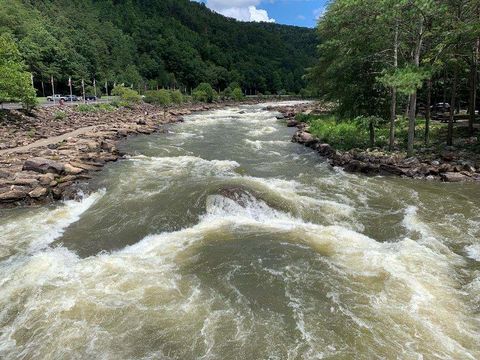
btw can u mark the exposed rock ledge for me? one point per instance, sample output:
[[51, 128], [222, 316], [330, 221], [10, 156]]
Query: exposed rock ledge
[[56, 162]]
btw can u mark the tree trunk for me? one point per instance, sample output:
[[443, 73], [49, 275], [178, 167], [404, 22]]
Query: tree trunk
[[411, 123], [473, 86], [428, 112], [393, 117], [393, 106], [452, 110], [371, 129], [413, 99], [407, 108]]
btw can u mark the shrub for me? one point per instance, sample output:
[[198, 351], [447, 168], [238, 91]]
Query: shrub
[[158, 97], [105, 107], [237, 94], [176, 96], [127, 94], [205, 93], [59, 115], [87, 108], [200, 96]]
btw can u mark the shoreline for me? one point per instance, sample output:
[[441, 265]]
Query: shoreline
[[53, 168], [448, 166]]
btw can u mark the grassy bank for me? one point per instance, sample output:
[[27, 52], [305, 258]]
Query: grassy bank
[[346, 134]]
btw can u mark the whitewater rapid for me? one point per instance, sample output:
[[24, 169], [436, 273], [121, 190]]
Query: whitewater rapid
[[223, 240]]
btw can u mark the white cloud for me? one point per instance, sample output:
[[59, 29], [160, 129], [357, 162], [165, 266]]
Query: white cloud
[[243, 10], [318, 13]]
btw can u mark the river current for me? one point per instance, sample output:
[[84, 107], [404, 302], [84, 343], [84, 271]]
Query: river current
[[223, 240]]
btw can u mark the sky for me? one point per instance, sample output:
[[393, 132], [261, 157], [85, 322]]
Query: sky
[[291, 12]]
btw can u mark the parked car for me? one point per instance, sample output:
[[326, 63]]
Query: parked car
[[90, 98], [71, 98], [56, 97], [441, 107]]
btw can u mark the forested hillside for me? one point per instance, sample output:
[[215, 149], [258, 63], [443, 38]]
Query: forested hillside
[[150, 43]]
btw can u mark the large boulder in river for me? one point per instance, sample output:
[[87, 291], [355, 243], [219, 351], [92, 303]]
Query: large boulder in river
[[43, 166]]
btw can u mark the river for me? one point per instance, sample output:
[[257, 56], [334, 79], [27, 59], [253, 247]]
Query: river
[[223, 240]]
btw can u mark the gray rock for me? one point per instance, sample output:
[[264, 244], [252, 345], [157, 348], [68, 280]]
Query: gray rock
[[454, 177], [38, 192], [292, 123], [43, 166], [13, 195]]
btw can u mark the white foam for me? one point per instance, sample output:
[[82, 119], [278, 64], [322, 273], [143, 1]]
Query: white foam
[[42, 226], [473, 252]]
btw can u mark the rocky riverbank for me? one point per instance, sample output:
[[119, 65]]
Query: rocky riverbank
[[48, 157], [450, 165]]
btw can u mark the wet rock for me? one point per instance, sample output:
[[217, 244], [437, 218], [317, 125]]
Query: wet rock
[[57, 193], [25, 182], [85, 166], [468, 167], [46, 179], [391, 169], [447, 155], [43, 166], [355, 166], [303, 137], [4, 174], [13, 195], [68, 178], [292, 123], [38, 192], [72, 170], [454, 177], [324, 149]]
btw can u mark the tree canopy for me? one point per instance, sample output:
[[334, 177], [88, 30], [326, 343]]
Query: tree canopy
[[15, 82], [170, 43], [375, 54]]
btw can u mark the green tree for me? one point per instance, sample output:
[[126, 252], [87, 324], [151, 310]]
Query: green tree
[[161, 98], [15, 82], [237, 94], [204, 93], [176, 96], [127, 95]]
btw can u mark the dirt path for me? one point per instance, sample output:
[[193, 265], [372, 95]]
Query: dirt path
[[48, 141]]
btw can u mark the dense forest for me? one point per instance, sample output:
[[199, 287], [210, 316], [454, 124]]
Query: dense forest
[[381, 59], [154, 43]]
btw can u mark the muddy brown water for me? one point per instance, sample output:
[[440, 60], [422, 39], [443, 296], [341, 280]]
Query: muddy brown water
[[224, 240]]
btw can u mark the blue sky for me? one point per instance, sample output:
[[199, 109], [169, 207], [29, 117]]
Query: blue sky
[[292, 12]]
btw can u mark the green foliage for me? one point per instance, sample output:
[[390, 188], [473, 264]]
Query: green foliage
[[127, 95], [93, 108], [59, 115], [15, 82], [105, 107], [406, 80], [204, 93], [158, 97], [176, 96], [237, 94], [87, 108], [343, 135], [168, 43]]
